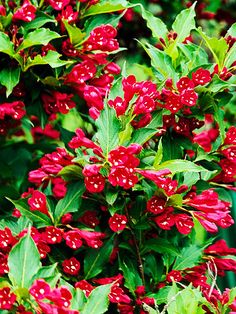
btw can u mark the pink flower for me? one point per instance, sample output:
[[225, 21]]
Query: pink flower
[[81, 73], [117, 222], [92, 238], [25, 13], [40, 289], [59, 4], [38, 202], [71, 266]]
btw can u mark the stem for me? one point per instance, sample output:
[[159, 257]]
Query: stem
[[140, 263]]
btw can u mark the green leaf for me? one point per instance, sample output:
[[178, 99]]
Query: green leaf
[[10, 78], [52, 58], [46, 272], [97, 301], [218, 47], [71, 172], [156, 25], [131, 275], [232, 30], [41, 36], [184, 23], [23, 262], [196, 55], [161, 62], [6, 45], [40, 20], [76, 35], [96, 259], [160, 245], [108, 127], [230, 56], [78, 300], [159, 155], [39, 219], [105, 7], [71, 202], [142, 135], [179, 165], [188, 258]]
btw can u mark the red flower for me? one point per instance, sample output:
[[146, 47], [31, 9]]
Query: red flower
[[25, 13], [85, 286], [184, 83], [166, 220], [59, 4], [122, 176], [230, 137], [40, 289], [92, 238], [117, 222], [221, 248], [7, 299], [13, 109], [52, 235], [174, 275], [90, 218], [81, 73], [60, 296], [38, 202], [6, 238], [184, 223], [4, 269], [117, 295], [57, 102], [156, 205], [230, 153], [95, 183], [73, 239], [71, 266], [188, 97], [119, 105], [144, 104], [201, 77], [93, 97]]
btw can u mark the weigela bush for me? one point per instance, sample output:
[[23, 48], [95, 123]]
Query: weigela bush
[[114, 179]]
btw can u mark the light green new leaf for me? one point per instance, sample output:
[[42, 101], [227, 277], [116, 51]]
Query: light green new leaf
[[156, 25], [161, 62], [232, 31], [97, 301], [52, 58], [6, 46], [218, 47], [46, 272], [41, 36], [78, 301], [106, 7], [184, 23], [141, 136], [230, 56], [39, 219], [108, 127], [71, 202], [10, 78], [179, 165], [24, 262], [76, 35], [189, 257]]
